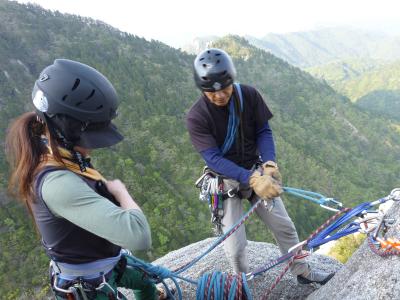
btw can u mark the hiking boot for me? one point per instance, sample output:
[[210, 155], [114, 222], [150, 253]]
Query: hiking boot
[[320, 277]]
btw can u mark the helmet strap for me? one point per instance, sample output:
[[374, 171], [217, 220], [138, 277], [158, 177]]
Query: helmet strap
[[80, 160], [76, 156]]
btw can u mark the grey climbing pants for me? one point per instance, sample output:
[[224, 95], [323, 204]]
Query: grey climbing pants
[[276, 219]]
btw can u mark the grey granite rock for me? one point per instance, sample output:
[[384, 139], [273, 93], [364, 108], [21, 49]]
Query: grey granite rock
[[259, 254]]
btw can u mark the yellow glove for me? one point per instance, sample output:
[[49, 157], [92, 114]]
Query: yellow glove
[[265, 186], [271, 168]]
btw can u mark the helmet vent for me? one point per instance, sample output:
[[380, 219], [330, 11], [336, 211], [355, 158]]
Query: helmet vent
[[204, 78], [201, 59], [79, 103], [217, 54], [91, 95], [224, 73], [218, 61], [99, 107], [64, 97], [77, 81]]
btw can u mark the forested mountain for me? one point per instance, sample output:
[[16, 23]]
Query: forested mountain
[[336, 73], [372, 85], [357, 78], [324, 143], [385, 103]]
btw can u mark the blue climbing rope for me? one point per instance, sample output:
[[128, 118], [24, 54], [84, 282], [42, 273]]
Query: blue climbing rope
[[233, 122], [215, 283], [222, 238]]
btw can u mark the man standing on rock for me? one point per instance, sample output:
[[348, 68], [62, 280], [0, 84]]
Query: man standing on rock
[[228, 126]]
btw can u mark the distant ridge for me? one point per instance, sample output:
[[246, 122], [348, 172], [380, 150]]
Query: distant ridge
[[317, 47]]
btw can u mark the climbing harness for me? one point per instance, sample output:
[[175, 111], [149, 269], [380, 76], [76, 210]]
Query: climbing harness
[[80, 289], [70, 281]]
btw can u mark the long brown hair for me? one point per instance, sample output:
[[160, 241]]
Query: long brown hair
[[25, 150]]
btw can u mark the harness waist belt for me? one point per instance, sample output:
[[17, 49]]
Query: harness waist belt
[[87, 270]]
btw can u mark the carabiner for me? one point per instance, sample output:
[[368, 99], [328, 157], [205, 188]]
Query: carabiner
[[329, 202], [301, 244]]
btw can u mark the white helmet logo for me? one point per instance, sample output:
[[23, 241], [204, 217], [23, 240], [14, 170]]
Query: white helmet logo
[[43, 77], [40, 101], [217, 86]]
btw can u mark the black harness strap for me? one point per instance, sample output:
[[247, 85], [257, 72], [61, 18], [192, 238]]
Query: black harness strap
[[120, 268]]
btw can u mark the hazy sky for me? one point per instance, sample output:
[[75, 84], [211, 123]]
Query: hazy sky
[[177, 21]]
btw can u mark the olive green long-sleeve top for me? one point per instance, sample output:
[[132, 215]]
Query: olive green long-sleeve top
[[68, 196]]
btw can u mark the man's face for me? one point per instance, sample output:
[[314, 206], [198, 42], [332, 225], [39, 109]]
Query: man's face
[[221, 97]]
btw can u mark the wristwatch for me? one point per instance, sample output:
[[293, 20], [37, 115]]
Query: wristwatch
[[271, 164]]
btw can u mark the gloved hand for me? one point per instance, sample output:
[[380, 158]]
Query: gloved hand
[[271, 168], [265, 186]]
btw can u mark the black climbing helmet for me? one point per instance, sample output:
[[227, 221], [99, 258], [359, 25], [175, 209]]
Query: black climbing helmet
[[213, 70], [78, 102]]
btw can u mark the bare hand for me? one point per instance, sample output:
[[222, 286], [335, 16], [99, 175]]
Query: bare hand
[[116, 187], [121, 194]]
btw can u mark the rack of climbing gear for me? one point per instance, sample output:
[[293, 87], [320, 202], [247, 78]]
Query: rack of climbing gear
[[212, 191]]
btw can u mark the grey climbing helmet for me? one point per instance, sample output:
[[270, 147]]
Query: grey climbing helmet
[[78, 102], [213, 70]]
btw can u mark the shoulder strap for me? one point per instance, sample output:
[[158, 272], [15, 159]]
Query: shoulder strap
[[239, 91], [39, 179]]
